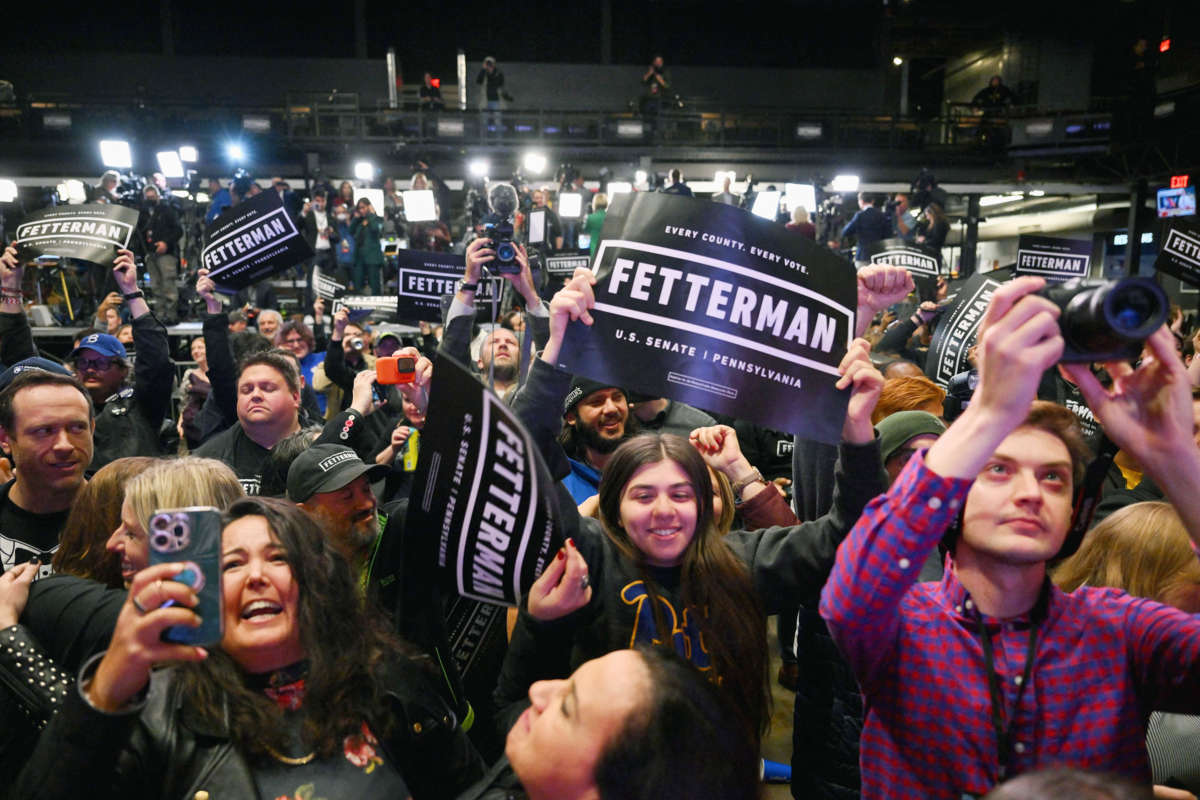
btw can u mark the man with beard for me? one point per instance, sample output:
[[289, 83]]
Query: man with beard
[[333, 485], [596, 420], [502, 347], [499, 360]]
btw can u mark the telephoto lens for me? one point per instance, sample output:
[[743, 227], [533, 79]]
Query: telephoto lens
[[357, 343], [1107, 320]]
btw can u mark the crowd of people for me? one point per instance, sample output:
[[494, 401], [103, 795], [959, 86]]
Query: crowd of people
[[940, 634]]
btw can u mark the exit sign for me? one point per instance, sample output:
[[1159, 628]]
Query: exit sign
[[1179, 181]]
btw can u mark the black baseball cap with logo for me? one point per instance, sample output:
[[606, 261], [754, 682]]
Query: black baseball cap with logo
[[327, 468]]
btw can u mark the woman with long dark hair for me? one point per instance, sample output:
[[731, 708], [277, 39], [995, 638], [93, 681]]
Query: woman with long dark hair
[[656, 569], [305, 688]]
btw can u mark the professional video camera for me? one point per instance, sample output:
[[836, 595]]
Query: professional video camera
[[567, 173], [498, 228], [1107, 320], [924, 190], [128, 191]]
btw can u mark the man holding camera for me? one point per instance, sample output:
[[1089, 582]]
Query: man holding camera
[[161, 233], [460, 319], [1036, 676]]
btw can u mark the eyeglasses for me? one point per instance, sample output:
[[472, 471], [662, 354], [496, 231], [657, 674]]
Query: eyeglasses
[[97, 364]]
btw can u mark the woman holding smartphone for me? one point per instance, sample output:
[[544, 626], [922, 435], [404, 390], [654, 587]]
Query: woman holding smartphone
[[304, 688]]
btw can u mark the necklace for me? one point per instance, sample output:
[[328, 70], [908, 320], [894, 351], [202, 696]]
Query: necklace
[[292, 762]]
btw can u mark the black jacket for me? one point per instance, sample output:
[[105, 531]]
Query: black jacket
[[157, 751], [160, 223], [129, 422], [788, 566]]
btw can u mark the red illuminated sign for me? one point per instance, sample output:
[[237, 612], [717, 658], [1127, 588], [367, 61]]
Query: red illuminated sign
[[1164, 45], [1179, 181]]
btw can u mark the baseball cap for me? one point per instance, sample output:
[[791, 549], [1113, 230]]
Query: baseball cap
[[103, 343], [325, 468], [35, 363]]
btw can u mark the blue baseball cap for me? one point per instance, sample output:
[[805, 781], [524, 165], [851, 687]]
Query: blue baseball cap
[[102, 343], [31, 364]]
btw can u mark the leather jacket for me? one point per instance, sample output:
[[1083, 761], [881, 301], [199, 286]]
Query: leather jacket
[[153, 750]]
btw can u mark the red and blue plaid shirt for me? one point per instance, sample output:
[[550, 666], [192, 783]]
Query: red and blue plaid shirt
[[1102, 662]]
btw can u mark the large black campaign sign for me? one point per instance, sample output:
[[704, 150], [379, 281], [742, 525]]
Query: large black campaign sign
[[92, 232], [424, 278], [482, 488], [251, 241], [713, 306], [1053, 259], [1180, 251], [959, 324]]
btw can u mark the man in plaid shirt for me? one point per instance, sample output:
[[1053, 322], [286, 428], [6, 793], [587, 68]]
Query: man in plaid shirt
[[993, 672]]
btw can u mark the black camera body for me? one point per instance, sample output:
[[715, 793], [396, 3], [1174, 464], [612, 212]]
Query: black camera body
[[959, 390], [1106, 320], [499, 232]]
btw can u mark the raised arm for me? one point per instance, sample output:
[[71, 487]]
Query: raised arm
[[222, 372], [153, 371], [882, 557], [16, 337]]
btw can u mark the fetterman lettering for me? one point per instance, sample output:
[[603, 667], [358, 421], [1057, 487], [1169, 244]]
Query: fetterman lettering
[[725, 301], [498, 521], [1067, 263], [243, 242], [898, 258], [94, 227], [1183, 245]]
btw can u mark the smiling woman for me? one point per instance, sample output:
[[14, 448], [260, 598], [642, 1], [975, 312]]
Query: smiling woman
[[305, 687]]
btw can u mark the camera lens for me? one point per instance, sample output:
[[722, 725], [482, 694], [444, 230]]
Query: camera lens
[[506, 252], [1131, 308]]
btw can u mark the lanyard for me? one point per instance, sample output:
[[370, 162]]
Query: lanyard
[[1003, 726]]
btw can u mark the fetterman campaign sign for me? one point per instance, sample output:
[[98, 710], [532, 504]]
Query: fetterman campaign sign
[[481, 488], [959, 324], [923, 263], [1053, 259], [713, 306], [424, 278], [92, 232], [1180, 253], [252, 241]]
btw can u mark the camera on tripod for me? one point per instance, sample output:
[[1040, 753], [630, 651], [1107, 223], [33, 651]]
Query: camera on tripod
[[1106, 320], [498, 228]]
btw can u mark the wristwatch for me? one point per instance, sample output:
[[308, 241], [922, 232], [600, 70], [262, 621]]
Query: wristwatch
[[753, 476], [133, 295], [463, 286]]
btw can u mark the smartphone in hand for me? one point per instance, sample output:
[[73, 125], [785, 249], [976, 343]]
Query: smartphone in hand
[[192, 536]]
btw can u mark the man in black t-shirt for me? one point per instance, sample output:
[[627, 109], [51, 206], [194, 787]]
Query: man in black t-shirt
[[46, 424], [268, 409]]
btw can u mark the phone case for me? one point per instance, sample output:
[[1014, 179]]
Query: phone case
[[192, 536]]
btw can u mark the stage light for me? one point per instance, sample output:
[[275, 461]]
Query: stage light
[[845, 183], [619, 187], [364, 170], [570, 205], [116, 153], [419, 205], [897, 60], [236, 152], [479, 167], [801, 194], [535, 163], [169, 164], [766, 205], [188, 154], [76, 193], [630, 129], [8, 191]]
